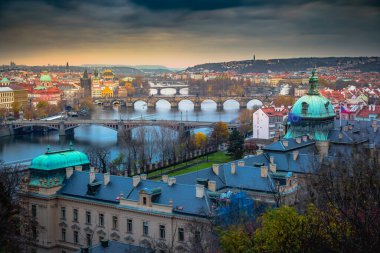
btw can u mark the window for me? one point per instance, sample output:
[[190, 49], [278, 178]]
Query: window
[[197, 236], [145, 228], [63, 212], [34, 211], [63, 234], [88, 217], [76, 237], [88, 238], [75, 215], [305, 107], [162, 231], [129, 226], [101, 238], [101, 219], [34, 232], [144, 201], [181, 234], [114, 222]]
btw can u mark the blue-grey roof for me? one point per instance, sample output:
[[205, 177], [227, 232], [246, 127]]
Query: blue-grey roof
[[247, 177], [118, 247], [76, 186], [292, 144], [183, 196]]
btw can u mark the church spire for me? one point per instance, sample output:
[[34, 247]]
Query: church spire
[[313, 82]]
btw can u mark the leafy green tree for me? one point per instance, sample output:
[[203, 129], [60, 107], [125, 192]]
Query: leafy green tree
[[236, 240], [235, 142]]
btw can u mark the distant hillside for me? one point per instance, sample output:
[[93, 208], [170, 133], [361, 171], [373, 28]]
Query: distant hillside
[[292, 64]]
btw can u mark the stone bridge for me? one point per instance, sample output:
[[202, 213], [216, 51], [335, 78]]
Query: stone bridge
[[177, 88], [174, 101], [123, 127]]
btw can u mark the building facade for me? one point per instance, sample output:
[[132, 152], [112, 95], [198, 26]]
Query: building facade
[[268, 122], [13, 94]]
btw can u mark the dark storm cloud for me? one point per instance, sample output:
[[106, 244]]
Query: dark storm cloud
[[195, 25]]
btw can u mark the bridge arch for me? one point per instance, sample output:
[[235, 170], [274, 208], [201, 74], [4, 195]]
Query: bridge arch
[[231, 103], [140, 103], [208, 104], [254, 103], [163, 103], [186, 104], [53, 126]]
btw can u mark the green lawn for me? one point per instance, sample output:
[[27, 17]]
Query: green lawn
[[217, 157]]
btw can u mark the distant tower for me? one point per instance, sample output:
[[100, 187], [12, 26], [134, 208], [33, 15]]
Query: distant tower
[[67, 67], [254, 57], [85, 83]]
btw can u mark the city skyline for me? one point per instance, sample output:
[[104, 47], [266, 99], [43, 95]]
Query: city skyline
[[181, 33]]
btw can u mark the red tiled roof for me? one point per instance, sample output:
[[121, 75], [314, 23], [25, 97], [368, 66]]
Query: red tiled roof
[[271, 112], [365, 112]]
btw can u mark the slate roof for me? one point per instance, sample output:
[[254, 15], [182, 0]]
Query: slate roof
[[183, 196], [292, 144], [246, 177]]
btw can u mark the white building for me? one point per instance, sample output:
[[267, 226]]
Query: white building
[[267, 122]]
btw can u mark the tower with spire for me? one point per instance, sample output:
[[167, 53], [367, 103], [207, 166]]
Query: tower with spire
[[85, 83]]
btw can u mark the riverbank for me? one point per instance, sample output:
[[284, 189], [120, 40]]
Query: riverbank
[[192, 165]]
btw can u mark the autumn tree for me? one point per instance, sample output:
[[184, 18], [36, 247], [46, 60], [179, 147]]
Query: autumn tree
[[349, 188], [200, 140], [220, 133], [86, 104], [284, 100]]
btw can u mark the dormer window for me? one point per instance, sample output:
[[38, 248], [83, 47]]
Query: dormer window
[[144, 201], [305, 107], [327, 105]]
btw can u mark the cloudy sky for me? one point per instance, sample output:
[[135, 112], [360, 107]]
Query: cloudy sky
[[181, 33]]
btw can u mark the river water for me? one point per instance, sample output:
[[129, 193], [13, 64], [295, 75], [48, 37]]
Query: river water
[[28, 146]]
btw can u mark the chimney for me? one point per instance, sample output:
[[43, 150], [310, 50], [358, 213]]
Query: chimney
[[233, 168], [106, 178], [298, 140], [199, 190], [171, 181], [165, 178], [143, 176], [136, 180], [259, 152], [78, 168], [215, 169], [92, 175], [69, 172], [273, 167], [304, 138], [212, 186], [295, 154], [241, 163], [271, 159], [264, 171], [285, 143]]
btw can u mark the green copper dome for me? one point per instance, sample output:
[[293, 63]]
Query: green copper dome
[[45, 78], [5, 80], [311, 115], [53, 160], [313, 104]]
